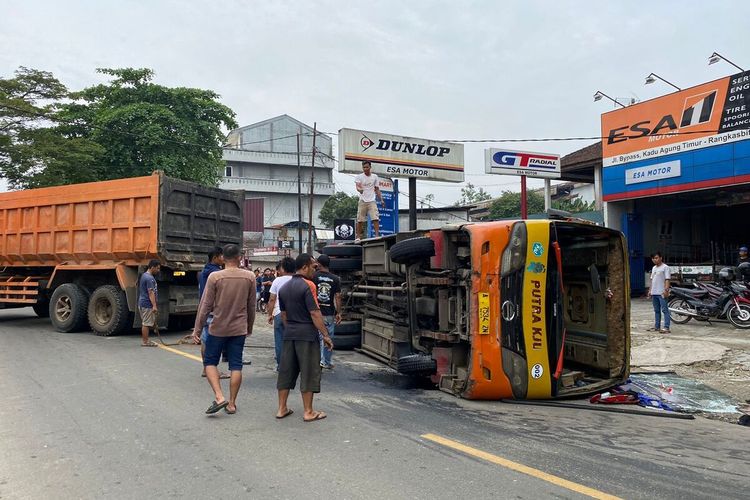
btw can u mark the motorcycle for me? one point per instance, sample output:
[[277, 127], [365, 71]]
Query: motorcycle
[[707, 303]]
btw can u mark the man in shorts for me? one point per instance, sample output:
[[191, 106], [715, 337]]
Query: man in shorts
[[148, 302], [215, 263], [329, 300], [229, 297], [303, 324], [368, 187], [285, 269]]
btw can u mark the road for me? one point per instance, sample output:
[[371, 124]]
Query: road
[[91, 417]]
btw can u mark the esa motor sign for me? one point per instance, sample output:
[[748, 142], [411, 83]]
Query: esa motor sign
[[400, 156], [696, 138], [507, 162]]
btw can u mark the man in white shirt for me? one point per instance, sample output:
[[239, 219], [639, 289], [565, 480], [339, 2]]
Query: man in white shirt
[[368, 187], [284, 271], [659, 291]]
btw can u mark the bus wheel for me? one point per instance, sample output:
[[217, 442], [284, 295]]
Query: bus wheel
[[108, 311], [67, 308], [412, 250]]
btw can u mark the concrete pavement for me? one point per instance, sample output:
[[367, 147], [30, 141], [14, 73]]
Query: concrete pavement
[[85, 416]]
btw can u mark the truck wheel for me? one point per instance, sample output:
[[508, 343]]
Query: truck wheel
[[346, 264], [346, 341], [108, 311], [417, 364], [67, 308], [343, 250], [41, 308], [412, 250]]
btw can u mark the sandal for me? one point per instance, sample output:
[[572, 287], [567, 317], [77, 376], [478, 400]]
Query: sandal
[[288, 412], [150, 343], [652, 329], [664, 330], [215, 407], [319, 415]]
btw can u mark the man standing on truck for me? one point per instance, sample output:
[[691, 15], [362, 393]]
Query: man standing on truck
[[148, 301], [229, 297], [368, 186], [285, 270], [659, 291], [300, 355], [329, 300], [215, 262]]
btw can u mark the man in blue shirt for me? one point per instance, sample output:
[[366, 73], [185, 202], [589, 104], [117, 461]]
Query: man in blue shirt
[[215, 263], [148, 301]]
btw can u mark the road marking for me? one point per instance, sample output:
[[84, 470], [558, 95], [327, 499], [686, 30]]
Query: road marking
[[181, 353], [523, 469]]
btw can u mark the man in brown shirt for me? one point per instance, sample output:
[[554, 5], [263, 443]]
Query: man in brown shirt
[[230, 297]]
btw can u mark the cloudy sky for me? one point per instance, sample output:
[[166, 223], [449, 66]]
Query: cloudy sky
[[450, 70]]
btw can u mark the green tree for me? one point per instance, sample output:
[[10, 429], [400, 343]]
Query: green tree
[[575, 205], [508, 205], [34, 150], [338, 206], [143, 126], [471, 194]]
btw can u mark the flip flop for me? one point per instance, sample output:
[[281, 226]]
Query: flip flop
[[230, 412], [288, 412], [151, 343], [215, 407], [224, 376], [319, 415]]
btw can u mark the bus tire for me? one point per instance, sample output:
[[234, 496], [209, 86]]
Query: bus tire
[[417, 364], [345, 264], [343, 250], [412, 250], [68, 307], [108, 312]]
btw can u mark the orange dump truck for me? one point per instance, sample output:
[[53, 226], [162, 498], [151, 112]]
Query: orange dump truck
[[75, 253]]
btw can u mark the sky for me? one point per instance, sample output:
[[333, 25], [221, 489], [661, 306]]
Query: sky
[[443, 70]]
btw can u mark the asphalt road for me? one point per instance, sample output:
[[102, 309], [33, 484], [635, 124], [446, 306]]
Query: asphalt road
[[90, 417]]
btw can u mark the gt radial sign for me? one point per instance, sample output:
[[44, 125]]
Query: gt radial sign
[[399, 156], [507, 162]]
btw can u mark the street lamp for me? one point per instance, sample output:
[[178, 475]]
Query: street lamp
[[598, 97], [653, 77], [716, 57]]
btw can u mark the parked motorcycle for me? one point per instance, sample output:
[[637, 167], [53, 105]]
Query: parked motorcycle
[[706, 304]]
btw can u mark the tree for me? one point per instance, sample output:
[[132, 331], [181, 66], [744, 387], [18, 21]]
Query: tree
[[470, 195], [143, 126], [508, 205], [125, 128], [574, 205], [34, 150], [338, 206]]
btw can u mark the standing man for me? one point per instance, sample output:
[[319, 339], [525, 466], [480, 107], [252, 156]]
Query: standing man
[[258, 287], [368, 186], [659, 291], [229, 297], [301, 352], [285, 270], [215, 262], [148, 303], [329, 300]]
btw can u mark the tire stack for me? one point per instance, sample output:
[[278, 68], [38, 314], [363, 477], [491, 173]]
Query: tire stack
[[345, 261]]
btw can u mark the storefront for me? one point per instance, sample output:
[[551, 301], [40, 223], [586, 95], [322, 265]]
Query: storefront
[[676, 175]]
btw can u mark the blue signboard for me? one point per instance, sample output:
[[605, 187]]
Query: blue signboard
[[389, 213]]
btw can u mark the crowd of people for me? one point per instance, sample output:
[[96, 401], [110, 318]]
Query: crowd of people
[[303, 303]]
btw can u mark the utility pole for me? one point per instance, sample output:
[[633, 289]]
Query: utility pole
[[312, 183], [299, 196]]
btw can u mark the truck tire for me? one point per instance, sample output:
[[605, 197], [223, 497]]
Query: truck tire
[[68, 307], [349, 327], [41, 308], [108, 311], [417, 364], [343, 250], [346, 264], [412, 250], [347, 341]]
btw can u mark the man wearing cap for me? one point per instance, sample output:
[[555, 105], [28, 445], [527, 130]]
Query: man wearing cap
[[743, 256], [367, 185]]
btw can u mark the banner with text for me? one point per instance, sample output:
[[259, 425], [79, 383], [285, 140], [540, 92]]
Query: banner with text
[[399, 156], [507, 162]]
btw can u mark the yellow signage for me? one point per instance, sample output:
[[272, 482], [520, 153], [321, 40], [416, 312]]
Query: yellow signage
[[534, 309], [484, 313]]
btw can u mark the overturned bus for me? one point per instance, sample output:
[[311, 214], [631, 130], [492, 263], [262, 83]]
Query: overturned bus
[[531, 309]]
